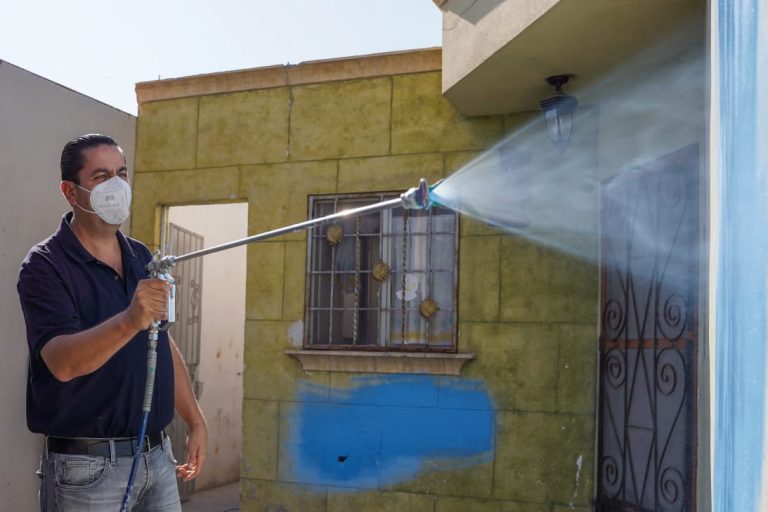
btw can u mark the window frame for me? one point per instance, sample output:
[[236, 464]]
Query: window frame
[[315, 235]]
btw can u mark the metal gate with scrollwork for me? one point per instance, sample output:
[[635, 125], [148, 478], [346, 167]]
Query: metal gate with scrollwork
[[648, 339]]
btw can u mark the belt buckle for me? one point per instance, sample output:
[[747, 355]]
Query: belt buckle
[[146, 443]]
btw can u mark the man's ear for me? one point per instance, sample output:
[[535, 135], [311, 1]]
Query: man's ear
[[69, 190]]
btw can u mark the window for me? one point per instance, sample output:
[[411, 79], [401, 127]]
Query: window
[[382, 281]]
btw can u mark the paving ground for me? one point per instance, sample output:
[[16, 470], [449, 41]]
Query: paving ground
[[219, 499]]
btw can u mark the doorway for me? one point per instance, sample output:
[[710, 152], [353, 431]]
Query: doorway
[[209, 329], [649, 330]]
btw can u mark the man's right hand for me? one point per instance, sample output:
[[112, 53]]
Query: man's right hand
[[149, 303], [72, 355]]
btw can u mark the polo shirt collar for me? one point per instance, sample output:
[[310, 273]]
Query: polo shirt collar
[[125, 247], [75, 249]]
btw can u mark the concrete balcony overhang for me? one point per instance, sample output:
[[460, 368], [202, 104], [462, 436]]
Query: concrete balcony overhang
[[498, 53]]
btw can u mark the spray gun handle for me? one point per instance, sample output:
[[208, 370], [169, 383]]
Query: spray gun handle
[[160, 268], [165, 276]]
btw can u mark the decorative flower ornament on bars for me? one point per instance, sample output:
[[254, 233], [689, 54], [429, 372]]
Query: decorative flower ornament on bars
[[334, 234], [381, 272], [428, 308]]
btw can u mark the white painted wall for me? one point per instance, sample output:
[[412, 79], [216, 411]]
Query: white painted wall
[[37, 117], [222, 334]]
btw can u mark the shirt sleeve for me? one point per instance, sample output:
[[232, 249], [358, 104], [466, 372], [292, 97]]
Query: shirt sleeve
[[49, 309]]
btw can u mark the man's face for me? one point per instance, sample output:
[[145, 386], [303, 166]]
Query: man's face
[[100, 163]]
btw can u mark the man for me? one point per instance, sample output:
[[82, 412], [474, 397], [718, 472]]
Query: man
[[87, 304]]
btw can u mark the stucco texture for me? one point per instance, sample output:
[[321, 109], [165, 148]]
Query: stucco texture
[[513, 433]]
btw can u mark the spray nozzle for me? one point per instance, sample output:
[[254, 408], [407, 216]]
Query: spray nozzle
[[434, 186], [417, 198]]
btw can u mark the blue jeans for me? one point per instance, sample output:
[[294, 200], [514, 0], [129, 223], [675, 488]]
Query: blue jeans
[[80, 483]]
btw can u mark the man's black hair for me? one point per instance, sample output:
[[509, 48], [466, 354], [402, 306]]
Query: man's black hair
[[72, 159]]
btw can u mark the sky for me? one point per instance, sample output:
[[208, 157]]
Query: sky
[[102, 49]]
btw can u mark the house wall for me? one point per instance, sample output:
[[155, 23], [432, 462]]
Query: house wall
[[515, 431], [37, 117]]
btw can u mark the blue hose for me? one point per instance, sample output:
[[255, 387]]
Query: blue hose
[[135, 466], [148, 391]]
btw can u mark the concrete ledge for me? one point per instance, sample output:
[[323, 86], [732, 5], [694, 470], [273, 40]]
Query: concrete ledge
[[499, 53], [312, 72], [380, 362]]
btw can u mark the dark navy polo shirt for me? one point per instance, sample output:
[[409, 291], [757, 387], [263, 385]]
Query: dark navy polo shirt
[[65, 290]]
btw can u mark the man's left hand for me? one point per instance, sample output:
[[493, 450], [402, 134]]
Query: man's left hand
[[197, 444]]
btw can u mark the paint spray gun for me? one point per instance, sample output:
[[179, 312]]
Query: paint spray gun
[[154, 330]]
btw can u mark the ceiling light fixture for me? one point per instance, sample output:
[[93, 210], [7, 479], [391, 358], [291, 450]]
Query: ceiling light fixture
[[558, 112]]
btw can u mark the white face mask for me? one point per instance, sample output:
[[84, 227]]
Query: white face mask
[[110, 200]]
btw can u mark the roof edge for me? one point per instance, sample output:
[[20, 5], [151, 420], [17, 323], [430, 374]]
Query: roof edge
[[62, 86], [310, 72]]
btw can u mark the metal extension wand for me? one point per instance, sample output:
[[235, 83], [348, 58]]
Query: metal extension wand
[[416, 198]]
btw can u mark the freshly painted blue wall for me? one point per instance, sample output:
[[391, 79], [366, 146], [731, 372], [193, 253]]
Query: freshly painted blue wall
[[381, 431], [740, 426]]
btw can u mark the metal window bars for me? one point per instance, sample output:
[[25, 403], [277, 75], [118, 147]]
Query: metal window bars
[[347, 308]]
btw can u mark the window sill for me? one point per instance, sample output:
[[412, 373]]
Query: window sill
[[380, 362]]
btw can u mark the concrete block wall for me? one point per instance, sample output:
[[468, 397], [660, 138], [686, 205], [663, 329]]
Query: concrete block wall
[[514, 432]]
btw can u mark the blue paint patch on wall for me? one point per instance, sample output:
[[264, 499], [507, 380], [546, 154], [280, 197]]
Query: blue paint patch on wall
[[381, 431]]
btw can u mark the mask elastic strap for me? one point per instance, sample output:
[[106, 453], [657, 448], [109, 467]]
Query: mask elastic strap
[[81, 188], [89, 211], [78, 204]]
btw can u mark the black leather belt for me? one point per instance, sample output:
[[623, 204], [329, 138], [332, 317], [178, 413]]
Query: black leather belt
[[99, 447]]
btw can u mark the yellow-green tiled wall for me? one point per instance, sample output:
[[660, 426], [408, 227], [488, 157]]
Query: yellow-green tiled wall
[[527, 313]]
